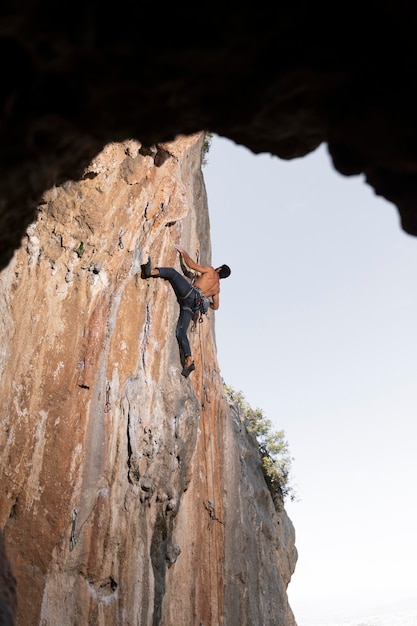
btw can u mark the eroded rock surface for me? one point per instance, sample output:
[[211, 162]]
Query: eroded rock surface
[[130, 495]]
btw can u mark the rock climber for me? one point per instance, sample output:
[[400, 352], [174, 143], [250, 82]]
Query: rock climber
[[192, 298]]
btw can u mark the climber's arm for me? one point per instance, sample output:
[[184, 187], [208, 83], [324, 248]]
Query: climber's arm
[[215, 302], [190, 263]]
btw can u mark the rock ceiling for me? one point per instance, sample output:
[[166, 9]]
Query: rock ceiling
[[281, 80]]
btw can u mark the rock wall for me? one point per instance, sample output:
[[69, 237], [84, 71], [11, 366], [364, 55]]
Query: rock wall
[[130, 495]]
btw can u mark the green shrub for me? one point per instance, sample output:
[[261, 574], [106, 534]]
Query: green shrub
[[273, 447], [208, 136]]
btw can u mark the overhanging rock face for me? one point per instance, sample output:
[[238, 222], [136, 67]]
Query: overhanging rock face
[[280, 79], [130, 495]]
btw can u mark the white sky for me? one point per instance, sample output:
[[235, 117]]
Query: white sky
[[318, 328]]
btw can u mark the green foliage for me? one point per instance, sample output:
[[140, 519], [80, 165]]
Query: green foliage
[[273, 447], [80, 249], [208, 136]]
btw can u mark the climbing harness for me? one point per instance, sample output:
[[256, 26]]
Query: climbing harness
[[201, 303]]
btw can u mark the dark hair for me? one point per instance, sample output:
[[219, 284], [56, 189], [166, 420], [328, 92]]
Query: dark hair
[[225, 271]]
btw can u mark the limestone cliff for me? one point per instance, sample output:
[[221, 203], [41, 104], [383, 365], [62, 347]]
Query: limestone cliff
[[130, 495]]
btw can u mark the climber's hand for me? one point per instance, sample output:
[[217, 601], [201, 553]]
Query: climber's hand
[[179, 248]]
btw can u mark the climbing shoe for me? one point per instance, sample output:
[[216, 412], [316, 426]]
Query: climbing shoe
[[146, 269], [187, 370]]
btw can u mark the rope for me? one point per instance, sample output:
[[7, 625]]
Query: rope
[[210, 505]]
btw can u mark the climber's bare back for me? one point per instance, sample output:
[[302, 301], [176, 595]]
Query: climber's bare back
[[209, 283]]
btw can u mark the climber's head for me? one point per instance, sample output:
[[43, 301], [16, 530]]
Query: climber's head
[[224, 271]]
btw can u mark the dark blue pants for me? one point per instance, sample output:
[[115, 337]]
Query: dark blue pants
[[181, 287]]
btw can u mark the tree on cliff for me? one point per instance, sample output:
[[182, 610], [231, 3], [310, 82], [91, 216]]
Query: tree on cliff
[[273, 447]]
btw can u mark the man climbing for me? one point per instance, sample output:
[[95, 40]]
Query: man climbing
[[192, 298]]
